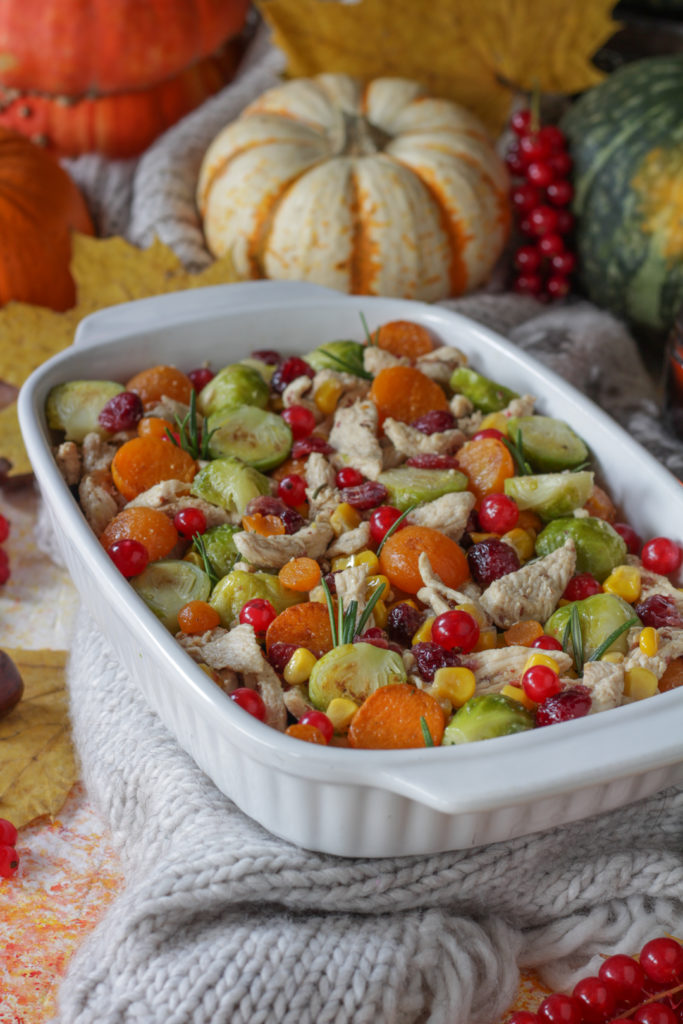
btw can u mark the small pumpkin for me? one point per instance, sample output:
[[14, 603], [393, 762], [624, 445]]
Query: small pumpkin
[[40, 206], [369, 189], [626, 140]]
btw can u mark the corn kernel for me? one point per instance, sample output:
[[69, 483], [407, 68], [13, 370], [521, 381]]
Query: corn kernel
[[640, 683], [616, 657], [488, 637], [344, 518], [475, 611], [424, 634], [340, 712], [518, 694], [522, 541], [456, 684], [495, 421], [624, 582], [367, 557], [541, 659], [373, 582], [327, 396], [380, 613], [648, 641], [299, 666]]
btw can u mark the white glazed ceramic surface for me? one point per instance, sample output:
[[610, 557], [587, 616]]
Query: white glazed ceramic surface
[[342, 801]]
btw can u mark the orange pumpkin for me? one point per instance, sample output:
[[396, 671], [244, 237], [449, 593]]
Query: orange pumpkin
[[39, 208]]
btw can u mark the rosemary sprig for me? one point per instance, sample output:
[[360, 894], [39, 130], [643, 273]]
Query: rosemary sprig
[[577, 638], [348, 367], [429, 742], [367, 611], [200, 546], [394, 527], [191, 439], [372, 341], [350, 615], [517, 453], [581, 466], [344, 627], [330, 612], [614, 635]]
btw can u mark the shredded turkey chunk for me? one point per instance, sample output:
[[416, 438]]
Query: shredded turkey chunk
[[273, 552], [533, 591]]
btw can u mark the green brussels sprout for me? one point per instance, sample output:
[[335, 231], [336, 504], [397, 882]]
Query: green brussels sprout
[[484, 394], [259, 438], [238, 587], [409, 485], [343, 356], [229, 484], [266, 370], [599, 615], [355, 671], [599, 548], [220, 549], [233, 385], [75, 406], [167, 585], [551, 495], [548, 444], [486, 716]]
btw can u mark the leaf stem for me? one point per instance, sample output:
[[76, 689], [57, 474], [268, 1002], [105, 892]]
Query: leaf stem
[[394, 527]]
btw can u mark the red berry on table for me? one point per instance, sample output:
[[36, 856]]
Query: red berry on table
[[525, 227], [624, 975], [550, 245], [4, 566], [498, 513], [9, 861], [629, 536], [596, 1000], [547, 643], [534, 147], [525, 197], [129, 556], [527, 258], [564, 222], [455, 630], [661, 555], [292, 490], [520, 122], [251, 701], [381, 520], [543, 220], [528, 284], [662, 961], [122, 412], [553, 137], [300, 421], [564, 706], [200, 377], [4, 529], [557, 286], [514, 162], [189, 521], [8, 833], [559, 1009], [560, 193], [348, 477], [540, 682], [581, 586], [561, 163], [563, 263], [257, 613], [655, 1013], [541, 173], [320, 721]]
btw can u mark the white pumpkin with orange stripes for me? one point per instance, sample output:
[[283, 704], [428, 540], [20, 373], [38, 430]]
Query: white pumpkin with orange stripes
[[370, 189]]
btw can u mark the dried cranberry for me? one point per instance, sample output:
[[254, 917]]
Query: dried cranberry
[[432, 461], [200, 377], [659, 610], [366, 495], [434, 422], [331, 582], [572, 703], [304, 447], [267, 355], [289, 371], [375, 636], [403, 621], [490, 559], [122, 412], [292, 520], [430, 657], [265, 505], [279, 654], [629, 536]]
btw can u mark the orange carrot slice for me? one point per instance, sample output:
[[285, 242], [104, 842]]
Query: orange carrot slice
[[392, 718]]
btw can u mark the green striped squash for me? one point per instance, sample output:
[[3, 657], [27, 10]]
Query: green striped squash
[[626, 139]]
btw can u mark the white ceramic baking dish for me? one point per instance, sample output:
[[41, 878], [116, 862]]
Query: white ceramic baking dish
[[341, 801]]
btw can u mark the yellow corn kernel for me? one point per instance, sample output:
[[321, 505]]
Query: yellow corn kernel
[[488, 637], [373, 582], [340, 712], [475, 611], [380, 613], [640, 683], [616, 657], [424, 634], [541, 659], [476, 537], [518, 694], [523, 542], [495, 421], [624, 581], [299, 666], [327, 396], [368, 558], [456, 684], [648, 641], [344, 518]]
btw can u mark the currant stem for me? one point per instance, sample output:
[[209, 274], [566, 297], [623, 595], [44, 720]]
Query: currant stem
[[653, 999]]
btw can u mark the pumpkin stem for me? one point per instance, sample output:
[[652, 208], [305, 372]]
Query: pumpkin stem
[[361, 137]]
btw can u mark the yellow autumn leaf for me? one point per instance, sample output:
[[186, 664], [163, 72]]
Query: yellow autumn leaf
[[107, 272], [476, 53], [37, 760]]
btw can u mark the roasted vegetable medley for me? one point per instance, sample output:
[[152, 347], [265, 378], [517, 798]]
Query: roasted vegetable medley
[[373, 545]]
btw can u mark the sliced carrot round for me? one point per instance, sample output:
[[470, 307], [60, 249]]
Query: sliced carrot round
[[300, 574], [149, 526], [404, 338], [396, 717], [400, 555], [305, 625], [197, 617], [145, 461], [152, 384], [487, 464], [155, 426], [405, 393]]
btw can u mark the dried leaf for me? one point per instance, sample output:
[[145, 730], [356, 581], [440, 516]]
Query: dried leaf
[[37, 760], [477, 54], [107, 272]]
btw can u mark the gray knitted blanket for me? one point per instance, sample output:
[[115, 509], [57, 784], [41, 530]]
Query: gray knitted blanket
[[220, 922]]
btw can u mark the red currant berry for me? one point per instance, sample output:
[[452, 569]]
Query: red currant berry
[[200, 377], [9, 861], [525, 227], [348, 477], [189, 521], [581, 586], [563, 263], [320, 721], [564, 706], [550, 245], [629, 536], [522, 1017], [487, 432], [662, 961], [553, 137], [565, 221], [525, 197], [560, 193], [533, 148], [527, 258], [498, 513], [557, 286], [561, 163], [455, 629], [381, 520], [514, 162], [267, 355], [300, 421], [289, 371], [661, 555], [4, 529], [543, 220], [520, 122], [655, 1013], [129, 556], [547, 643], [292, 490], [8, 833], [174, 434], [257, 613], [624, 975], [540, 682], [251, 701], [528, 284], [596, 1000], [559, 1009], [122, 412], [4, 567], [540, 173]]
